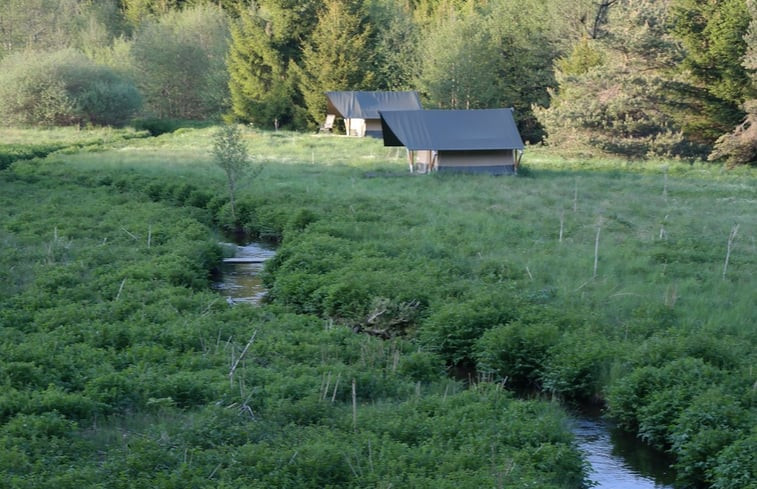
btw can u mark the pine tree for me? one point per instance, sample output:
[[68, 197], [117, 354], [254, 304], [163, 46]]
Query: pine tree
[[261, 92], [266, 44], [712, 34], [619, 93], [740, 146], [395, 45], [337, 56]]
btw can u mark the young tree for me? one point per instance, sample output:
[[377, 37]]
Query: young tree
[[231, 155]]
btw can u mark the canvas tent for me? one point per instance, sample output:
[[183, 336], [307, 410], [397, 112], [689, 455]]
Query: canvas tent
[[472, 141], [360, 110]]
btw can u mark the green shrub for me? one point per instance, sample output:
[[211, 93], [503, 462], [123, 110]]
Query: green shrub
[[421, 366], [63, 88], [517, 351], [712, 421], [14, 152], [735, 467], [578, 366], [156, 126], [453, 328], [650, 399]]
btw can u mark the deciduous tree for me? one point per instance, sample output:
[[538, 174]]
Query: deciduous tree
[[179, 63], [63, 88], [231, 155]]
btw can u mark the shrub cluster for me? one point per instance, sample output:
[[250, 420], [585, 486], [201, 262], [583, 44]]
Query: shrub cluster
[[122, 369], [463, 274], [63, 88]]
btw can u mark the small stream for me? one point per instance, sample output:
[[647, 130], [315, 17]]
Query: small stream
[[240, 274], [618, 460]]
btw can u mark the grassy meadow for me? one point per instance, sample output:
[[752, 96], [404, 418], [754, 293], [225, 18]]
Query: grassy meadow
[[485, 305]]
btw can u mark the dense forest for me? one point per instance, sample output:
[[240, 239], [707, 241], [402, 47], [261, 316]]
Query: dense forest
[[632, 78]]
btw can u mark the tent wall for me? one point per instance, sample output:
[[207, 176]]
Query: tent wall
[[497, 162], [373, 128], [354, 127], [421, 160], [363, 127]]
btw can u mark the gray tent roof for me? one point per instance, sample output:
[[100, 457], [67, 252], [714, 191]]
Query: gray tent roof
[[366, 105], [486, 129]]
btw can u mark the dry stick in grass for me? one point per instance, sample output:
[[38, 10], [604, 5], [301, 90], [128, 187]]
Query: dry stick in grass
[[236, 363], [671, 295], [395, 360], [370, 456], [562, 223], [127, 232], [121, 288], [354, 406], [731, 239], [665, 184], [575, 196], [336, 385], [325, 388], [663, 233], [596, 249]]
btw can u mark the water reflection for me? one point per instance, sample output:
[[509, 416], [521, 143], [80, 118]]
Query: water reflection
[[619, 461], [240, 275]]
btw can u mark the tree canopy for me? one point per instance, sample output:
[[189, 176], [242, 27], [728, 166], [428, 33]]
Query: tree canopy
[[656, 77]]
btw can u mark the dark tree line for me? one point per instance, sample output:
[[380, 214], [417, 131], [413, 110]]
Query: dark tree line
[[636, 78]]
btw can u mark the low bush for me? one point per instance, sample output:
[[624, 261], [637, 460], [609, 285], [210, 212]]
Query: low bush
[[517, 353], [14, 152], [578, 367], [63, 88], [453, 328]]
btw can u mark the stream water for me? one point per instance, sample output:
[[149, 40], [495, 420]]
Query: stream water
[[240, 275], [618, 461]]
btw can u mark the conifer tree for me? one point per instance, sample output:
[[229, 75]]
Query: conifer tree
[[337, 56], [740, 146], [395, 45], [261, 92], [266, 43], [619, 94], [712, 34]]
